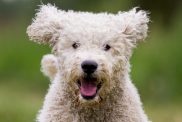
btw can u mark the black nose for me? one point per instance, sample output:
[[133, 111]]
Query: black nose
[[89, 66]]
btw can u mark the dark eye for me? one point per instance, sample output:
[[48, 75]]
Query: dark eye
[[75, 45], [107, 47]]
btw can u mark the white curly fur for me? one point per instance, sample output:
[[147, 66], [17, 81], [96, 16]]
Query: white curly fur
[[49, 65], [118, 99]]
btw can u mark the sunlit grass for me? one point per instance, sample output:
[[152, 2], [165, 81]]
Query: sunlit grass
[[18, 103], [165, 113]]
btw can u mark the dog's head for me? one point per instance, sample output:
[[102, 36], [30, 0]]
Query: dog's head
[[92, 50]]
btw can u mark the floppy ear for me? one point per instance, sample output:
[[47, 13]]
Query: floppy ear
[[134, 25], [46, 26]]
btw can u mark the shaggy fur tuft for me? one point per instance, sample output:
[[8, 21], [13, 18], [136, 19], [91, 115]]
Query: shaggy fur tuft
[[103, 40]]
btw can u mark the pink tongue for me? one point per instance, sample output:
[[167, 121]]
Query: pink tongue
[[88, 88]]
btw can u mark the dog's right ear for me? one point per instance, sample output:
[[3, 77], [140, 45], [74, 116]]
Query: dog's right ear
[[45, 28]]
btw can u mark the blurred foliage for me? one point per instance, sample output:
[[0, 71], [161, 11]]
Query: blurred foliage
[[165, 9], [156, 64]]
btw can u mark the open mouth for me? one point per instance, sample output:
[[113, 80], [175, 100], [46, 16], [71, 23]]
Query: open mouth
[[89, 87]]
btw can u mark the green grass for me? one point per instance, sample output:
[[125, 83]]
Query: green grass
[[164, 113], [18, 103]]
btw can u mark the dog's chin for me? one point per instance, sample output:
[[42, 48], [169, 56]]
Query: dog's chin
[[91, 102]]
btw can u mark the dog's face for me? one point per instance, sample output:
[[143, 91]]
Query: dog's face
[[89, 61], [91, 49]]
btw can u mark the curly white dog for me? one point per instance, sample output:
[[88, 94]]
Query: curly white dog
[[89, 65]]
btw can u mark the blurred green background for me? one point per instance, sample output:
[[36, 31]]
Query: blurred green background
[[156, 64]]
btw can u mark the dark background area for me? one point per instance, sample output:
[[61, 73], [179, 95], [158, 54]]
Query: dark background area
[[156, 63]]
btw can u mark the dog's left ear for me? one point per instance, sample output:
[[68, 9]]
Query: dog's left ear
[[134, 25], [46, 26]]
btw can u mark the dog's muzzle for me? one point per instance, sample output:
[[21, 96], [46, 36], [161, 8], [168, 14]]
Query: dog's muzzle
[[89, 85]]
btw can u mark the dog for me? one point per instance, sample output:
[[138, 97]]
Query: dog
[[89, 64]]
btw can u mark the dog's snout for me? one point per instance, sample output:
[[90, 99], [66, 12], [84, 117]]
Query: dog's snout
[[89, 66]]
